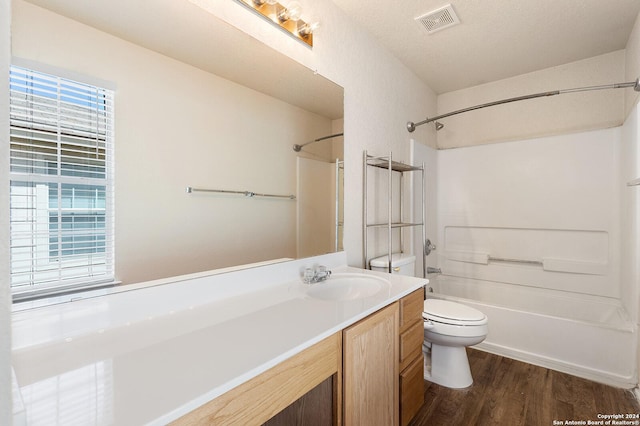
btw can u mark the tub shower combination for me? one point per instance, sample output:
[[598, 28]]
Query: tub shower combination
[[541, 235]]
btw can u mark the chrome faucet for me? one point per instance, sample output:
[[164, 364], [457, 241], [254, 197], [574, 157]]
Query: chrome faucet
[[312, 276]]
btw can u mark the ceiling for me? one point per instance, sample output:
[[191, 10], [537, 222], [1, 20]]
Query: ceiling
[[495, 39]]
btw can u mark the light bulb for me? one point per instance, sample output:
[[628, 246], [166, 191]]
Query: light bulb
[[294, 10], [307, 29]]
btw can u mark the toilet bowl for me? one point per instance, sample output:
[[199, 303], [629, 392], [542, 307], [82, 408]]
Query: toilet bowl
[[450, 327]]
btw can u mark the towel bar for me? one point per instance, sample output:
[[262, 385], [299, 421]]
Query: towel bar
[[245, 193]]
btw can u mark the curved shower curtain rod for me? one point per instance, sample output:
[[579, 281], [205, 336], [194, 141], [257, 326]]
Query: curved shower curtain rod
[[411, 126], [297, 147]]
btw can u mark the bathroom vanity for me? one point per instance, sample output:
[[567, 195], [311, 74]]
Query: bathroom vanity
[[225, 347]]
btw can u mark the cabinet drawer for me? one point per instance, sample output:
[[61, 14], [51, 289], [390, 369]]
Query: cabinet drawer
[[411, 390], [411, 307], [411, 343]]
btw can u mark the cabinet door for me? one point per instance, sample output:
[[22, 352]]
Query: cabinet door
[[370, 370]]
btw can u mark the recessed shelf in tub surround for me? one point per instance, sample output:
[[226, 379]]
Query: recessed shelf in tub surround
[[183, 341]]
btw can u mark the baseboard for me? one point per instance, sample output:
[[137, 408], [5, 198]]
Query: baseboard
[[563, 367]]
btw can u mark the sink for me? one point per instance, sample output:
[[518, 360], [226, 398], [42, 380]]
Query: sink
[[348, 286]]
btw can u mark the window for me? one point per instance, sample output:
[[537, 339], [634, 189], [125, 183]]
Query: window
[[61, 192]]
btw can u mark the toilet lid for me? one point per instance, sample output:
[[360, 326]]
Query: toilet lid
[[446, 310]]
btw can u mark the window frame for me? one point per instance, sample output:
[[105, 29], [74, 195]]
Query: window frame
[[92, 179]]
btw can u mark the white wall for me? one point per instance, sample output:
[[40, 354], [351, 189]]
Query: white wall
[[553, 198], [178, 126], [5, 293]]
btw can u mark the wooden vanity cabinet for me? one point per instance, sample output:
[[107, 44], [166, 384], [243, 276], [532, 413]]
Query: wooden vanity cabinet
[[370, 370], [383, 378], [411, 362]]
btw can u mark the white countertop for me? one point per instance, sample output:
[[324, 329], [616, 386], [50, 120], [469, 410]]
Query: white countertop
[[151, 355]]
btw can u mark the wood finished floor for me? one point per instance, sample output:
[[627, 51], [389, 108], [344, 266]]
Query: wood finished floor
[[509, 392]]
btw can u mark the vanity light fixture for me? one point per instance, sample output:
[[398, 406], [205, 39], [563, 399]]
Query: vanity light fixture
[[286, 17]]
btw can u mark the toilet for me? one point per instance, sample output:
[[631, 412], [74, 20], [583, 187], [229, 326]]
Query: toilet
[[450, 327]]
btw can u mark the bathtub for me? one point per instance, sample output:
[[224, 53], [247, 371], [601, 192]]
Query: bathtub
[[587, 336]]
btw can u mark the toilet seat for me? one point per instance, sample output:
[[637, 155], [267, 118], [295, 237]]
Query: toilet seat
[[452, 313]]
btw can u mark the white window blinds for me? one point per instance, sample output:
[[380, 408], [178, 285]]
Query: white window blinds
[[61, 163]]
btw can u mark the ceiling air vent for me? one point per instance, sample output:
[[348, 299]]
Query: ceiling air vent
[[438, 19]]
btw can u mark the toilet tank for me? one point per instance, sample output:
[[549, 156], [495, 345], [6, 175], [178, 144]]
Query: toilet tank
[[401, 263]]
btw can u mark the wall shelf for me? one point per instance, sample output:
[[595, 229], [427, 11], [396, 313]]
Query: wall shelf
[[391, 166], [384, 163]]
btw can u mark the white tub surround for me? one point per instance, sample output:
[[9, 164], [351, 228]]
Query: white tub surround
[[541, 236], [151, 355]]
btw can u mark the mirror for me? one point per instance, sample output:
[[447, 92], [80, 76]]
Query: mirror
[[198, 103]]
